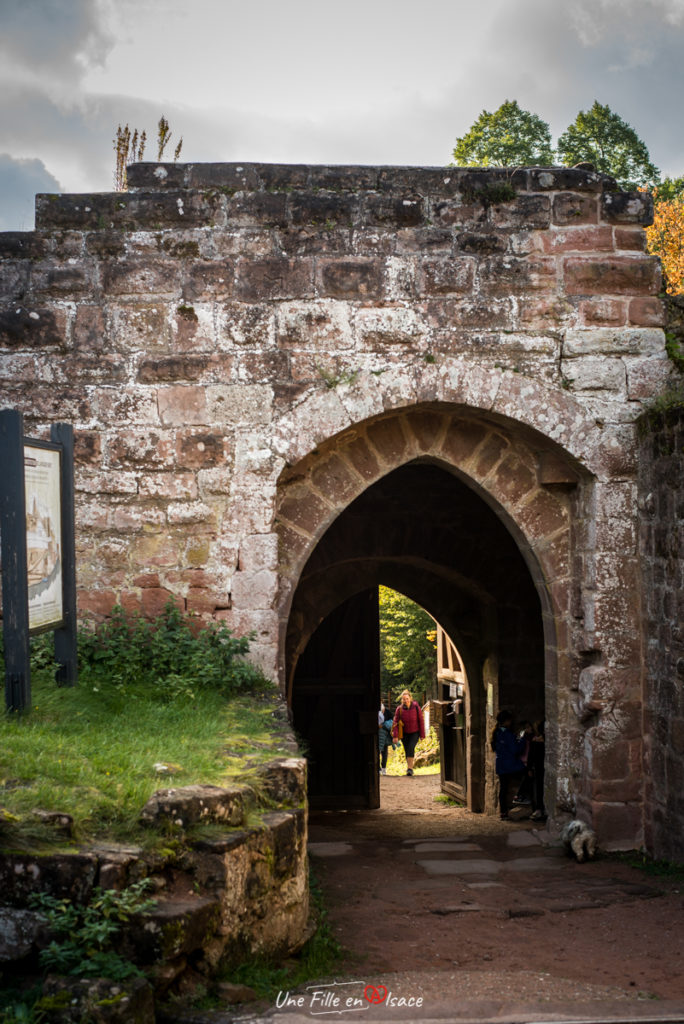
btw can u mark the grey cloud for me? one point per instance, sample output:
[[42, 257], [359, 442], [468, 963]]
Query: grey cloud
[[19, 182], [54, 36]]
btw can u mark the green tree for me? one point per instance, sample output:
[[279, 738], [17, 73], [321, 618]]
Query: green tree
[[600, 137], [669, 189], [407, 644], [510, 137]]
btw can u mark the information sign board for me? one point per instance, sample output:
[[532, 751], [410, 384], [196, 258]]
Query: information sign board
[[42, 477]]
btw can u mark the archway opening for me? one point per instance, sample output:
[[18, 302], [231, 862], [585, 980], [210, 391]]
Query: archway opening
[[422, 531]]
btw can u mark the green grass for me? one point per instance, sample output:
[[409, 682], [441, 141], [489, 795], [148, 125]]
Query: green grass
[[90, 750], [444, 798], [396, 759], [662, 869]]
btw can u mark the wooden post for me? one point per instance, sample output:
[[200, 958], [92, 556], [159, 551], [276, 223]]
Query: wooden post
[[66, 653], [15, 621]]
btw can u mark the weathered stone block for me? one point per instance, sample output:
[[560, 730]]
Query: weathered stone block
[[482, 242], [274, 278], [609, 341], [557, 179], [254, 589], [26, 327], [141, 277], [320, 325], [648, 376], [388, 328], [284, 780], [424, 240], [14, 280], [387, 439], [355, 278], [181, 405], [20, 245], [261, 209], [620, 275], [75, 1000], [96, 603], [446, 276], [627, 207], [208, 280], [324, 209], [618, 825], [604, 312], [514, 479], [198, 450], [407, 211], [647, 312], [19, 930], [335, 480], [508, 275], [64, 877], [362, 458], [575, 208], [578, 239], [594, 373], [427, 428], [174, 928], [188, 805], [630, 239], [524, 211]]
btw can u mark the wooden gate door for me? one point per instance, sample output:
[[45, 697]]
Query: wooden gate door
[[335, 703]]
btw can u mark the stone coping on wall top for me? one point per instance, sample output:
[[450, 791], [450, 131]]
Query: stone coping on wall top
[[425, 180]]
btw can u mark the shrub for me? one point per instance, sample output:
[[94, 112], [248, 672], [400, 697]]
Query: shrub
[[168, 656]]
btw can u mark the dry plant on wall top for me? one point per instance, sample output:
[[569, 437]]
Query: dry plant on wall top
[[129, 147]]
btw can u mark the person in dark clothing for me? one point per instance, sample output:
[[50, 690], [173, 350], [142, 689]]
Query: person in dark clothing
[[508, 750], [410, 716], [535, 764], [524, 794], [385, 738]]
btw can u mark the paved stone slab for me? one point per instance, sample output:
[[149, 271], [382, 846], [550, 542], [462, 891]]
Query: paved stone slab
[[436, 839], [528, 864], [522, 839], [460, 867], [447, 848], [330, 849]]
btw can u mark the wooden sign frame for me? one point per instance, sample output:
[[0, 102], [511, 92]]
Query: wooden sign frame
[[51, 550]]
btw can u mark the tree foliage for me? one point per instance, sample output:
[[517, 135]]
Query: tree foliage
[[665, 237], [668, 189], [600, 137], [509, 137], [407, 645]]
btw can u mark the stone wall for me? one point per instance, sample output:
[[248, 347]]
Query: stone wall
[[219, 328], [661, 485], [240, 891]]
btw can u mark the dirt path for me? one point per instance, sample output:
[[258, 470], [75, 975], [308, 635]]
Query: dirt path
[[487, 918], [454, 916]]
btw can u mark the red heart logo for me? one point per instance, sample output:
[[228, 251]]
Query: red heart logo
[[375, 995]]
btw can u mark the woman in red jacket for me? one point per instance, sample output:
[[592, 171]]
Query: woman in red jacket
[[413, 727]]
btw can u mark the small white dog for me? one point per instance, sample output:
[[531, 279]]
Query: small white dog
[[580, 840]]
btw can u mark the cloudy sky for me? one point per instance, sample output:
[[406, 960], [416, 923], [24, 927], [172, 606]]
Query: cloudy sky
[[359, 81]]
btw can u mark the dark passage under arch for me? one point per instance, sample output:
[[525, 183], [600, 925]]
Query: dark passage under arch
[[423, 531]]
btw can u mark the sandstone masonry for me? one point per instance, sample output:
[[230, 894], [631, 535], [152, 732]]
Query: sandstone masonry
[[244, 349]]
